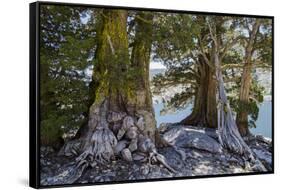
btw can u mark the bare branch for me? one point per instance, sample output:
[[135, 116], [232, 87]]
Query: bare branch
[[213, 36], [143, 20], [232, 79]]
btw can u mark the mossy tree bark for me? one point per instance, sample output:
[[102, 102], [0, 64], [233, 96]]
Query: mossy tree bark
[[246, 80], [110, 85], [140, 61]]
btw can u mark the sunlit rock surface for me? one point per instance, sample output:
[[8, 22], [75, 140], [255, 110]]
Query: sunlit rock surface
[[202, 151]]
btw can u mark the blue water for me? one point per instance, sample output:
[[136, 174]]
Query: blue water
[[170, 117], [264, 122]]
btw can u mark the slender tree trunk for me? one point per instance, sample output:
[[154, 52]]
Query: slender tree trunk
[[242, 115], [204, 110], [246, 81]]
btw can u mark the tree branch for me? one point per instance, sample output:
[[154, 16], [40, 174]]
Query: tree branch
[[229, 46], [201, 52], [256, 64], [213, 36]]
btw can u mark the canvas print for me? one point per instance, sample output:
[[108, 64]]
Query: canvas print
[[130, 94]]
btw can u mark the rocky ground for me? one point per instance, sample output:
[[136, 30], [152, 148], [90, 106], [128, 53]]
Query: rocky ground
[[193, 151]]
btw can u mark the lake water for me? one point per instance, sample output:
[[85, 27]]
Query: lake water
[[264, 122]]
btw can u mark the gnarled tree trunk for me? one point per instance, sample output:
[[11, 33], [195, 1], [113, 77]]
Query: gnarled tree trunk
[[111, 87], [204, 111], [229, 135]]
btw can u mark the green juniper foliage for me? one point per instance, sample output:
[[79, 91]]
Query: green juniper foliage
[[67, 46]]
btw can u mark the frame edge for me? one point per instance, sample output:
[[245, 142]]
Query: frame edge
[[33, 111]]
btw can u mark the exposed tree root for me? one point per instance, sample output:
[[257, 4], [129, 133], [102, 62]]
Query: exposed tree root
[[69, 175], [229, 135], [71, 148], [102, 145]]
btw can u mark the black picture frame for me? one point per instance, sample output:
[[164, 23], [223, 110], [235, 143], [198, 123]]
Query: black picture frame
[[34, 93]]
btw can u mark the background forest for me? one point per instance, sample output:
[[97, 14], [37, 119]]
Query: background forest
[[104, 68]]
